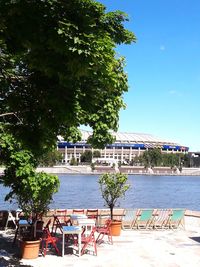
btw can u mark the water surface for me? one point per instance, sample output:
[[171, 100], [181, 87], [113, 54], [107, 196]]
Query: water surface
[[82, 191]]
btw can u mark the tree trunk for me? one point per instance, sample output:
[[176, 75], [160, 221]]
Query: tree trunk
[[111, 212]]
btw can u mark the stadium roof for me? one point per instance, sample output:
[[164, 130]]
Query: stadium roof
[[124, 137]]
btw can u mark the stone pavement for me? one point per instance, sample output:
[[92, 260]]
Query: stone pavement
[[135, 248]]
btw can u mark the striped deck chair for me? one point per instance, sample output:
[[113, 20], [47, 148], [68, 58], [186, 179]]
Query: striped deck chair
[[177, 219], [162, 218], [129, 219], [145, 219]]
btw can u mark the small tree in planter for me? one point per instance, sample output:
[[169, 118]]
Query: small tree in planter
[[31, 190], [113, 186]]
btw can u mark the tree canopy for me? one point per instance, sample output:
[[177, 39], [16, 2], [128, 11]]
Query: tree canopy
[[59, 69]]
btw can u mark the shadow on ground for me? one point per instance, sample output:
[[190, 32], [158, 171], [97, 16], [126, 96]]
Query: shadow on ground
[[9, 254], [196, 238]]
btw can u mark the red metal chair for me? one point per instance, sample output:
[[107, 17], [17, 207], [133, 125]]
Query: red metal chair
[[48, 239], [104, 231], [62, 216], [78, 211], [92, 214], [89, 241], [56, 225]]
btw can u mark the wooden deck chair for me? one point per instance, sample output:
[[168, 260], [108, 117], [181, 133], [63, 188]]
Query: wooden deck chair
[[145, 219], [129, 219], [88, 242], [162, 217], [176, 219]]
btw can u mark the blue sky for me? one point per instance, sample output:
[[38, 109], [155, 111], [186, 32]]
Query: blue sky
[[163, 67]]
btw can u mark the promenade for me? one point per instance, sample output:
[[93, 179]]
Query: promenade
[[137, 170], [133, 248]]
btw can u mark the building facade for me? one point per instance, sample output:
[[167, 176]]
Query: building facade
[[126, 147]]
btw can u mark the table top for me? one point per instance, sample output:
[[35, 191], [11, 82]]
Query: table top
[[86, 221], [78, 216], [23, 222], [71, 229]]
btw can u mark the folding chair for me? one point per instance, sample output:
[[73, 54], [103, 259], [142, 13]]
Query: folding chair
[[145, 220], [62, 216], [162, 219], [176, 219], [56, 225], [89, 241], [92, 214], [78, 211], [10, 218], [104, 230], [48, 239], [129, 219]]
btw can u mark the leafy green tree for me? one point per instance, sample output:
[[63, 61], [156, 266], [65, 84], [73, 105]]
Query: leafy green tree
[[31, 190], [50, 158], [86, 156], [96, 154], [59, 70], [152, 157], [113, 186], [171, 160], [73, 161]]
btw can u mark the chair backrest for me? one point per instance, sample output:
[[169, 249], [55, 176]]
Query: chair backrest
[[146, 215], [92, 214], [130, 215], [177, 215], [78, 211], [162, 215], [61, 214], [48, 224]]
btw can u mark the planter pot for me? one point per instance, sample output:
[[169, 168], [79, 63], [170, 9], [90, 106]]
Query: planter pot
[[115, 227], [30, 249]]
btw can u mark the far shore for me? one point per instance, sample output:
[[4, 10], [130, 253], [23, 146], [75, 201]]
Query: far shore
[[137, 170]]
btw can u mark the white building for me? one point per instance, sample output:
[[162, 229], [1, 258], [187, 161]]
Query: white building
[[126, 147]]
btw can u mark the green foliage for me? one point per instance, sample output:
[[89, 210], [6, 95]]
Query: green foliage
[[96, 154], [31, 190], [59, 70], [50, 158], [152, 157], [86, 156], [73, 162], [92, 165], [113, 186]]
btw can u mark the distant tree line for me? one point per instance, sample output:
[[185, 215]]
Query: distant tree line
[[150, 158], [155, 158]]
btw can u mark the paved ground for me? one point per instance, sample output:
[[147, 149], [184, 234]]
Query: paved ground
[[154, 248]]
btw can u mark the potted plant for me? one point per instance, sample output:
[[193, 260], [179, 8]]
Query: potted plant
[[113, 186], [32, 191]]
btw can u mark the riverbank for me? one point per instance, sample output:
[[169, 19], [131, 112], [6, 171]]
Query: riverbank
[[124, 169], [137, 170]]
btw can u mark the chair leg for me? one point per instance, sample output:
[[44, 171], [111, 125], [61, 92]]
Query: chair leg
[[100, 237]]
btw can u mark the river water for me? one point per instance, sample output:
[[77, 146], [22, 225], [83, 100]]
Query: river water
[[82, 191]]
